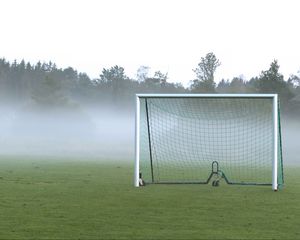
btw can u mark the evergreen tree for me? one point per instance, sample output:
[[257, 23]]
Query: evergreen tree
[[49, 94]]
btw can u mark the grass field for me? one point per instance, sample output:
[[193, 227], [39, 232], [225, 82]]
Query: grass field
[[70, 199]]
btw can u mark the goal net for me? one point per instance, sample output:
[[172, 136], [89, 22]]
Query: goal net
[[188, 138]]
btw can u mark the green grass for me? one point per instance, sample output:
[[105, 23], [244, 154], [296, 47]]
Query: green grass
[[67, 199]]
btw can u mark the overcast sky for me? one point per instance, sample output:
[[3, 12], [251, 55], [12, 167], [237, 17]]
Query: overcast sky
[[166, 35]]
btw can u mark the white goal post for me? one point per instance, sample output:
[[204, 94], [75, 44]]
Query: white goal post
[[185, 133]]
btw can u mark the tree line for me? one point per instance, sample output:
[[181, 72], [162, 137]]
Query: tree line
[[46, 85]]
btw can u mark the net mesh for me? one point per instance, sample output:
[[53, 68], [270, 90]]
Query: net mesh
[[181, 137]]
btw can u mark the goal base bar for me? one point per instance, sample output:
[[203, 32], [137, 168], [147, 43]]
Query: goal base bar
[[229, 183], [215, 172]]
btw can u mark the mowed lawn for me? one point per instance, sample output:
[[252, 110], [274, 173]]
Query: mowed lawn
[[73, 199]]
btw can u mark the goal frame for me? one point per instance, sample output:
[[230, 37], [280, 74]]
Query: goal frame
[[274, 97]]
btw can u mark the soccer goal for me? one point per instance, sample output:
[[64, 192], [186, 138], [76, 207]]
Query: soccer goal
[[203, 138]]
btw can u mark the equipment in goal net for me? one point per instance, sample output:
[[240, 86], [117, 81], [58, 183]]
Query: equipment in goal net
[[195, 138]]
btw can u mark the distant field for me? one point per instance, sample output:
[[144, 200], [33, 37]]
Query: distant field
[[70, 199]]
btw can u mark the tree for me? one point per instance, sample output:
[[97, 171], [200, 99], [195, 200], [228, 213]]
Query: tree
[[142, 73], [159, 79], [223, 86], [238, 85], [5, 89], [84, 80], [49, 94], [205, 74], [271, 81], [114, 79], [294, 80]]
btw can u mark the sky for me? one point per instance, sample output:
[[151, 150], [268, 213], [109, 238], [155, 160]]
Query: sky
[[166, 35]]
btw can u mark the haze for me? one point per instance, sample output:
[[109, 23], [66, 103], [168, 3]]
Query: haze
[[89, 133], [83, 133]]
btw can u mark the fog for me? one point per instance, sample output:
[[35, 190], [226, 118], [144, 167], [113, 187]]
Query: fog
[[290, 128], [101, 133], [79, 133]]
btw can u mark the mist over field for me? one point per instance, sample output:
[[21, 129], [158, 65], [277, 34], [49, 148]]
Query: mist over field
[[104, 133], [82, 133], [291, 140]]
